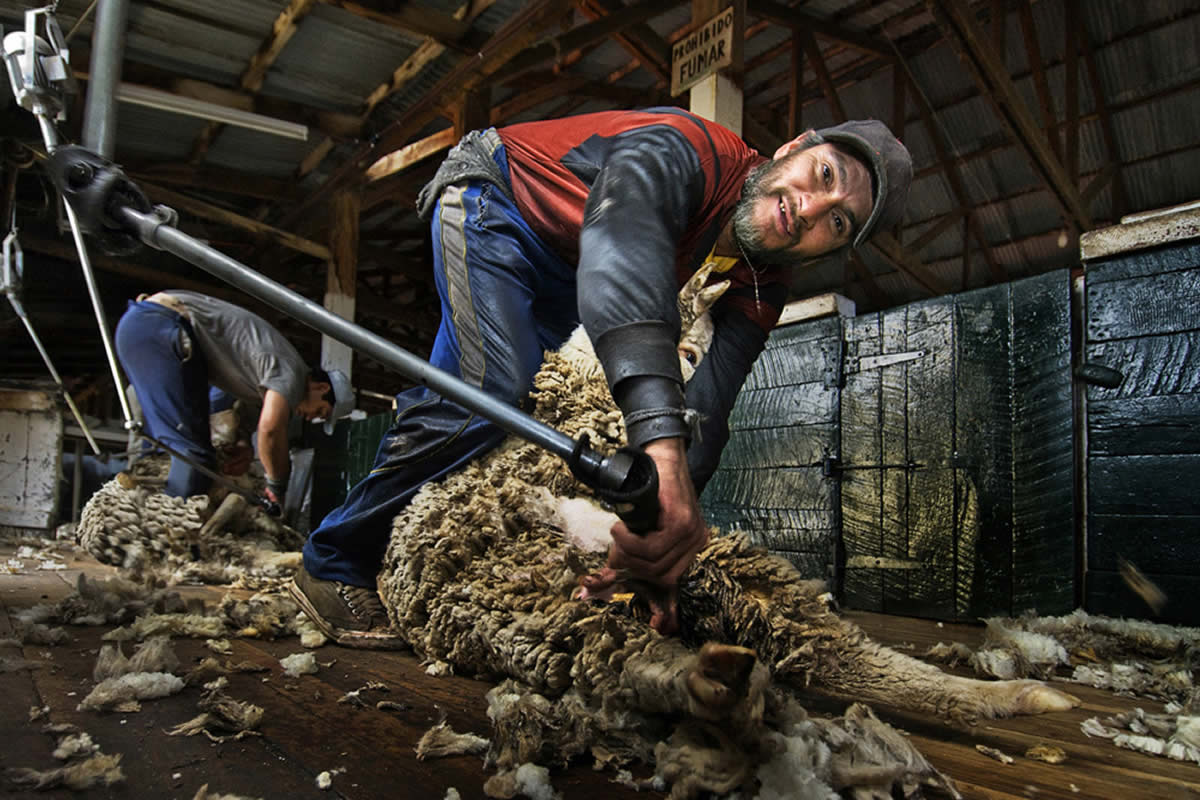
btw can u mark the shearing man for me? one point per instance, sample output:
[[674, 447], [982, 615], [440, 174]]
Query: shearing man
[[599, 219]]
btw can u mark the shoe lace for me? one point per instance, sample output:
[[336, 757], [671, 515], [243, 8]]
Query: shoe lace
[[363, 602]]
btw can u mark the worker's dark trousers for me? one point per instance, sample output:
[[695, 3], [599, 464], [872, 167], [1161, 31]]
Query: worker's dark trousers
[[506, 298], [172, 388]]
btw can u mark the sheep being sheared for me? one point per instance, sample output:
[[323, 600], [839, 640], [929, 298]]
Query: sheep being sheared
[[481, 573], [159, 539]]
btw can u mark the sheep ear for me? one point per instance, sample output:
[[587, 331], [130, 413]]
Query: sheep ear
[[688, 294], [709, 296]]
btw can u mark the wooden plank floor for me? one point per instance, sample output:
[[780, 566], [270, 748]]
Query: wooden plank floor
[[306, 731]]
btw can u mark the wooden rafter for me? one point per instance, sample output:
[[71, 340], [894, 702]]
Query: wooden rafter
[[802, 20], [998, 29], [581, 36], [412, 154], [894, 253], [1071, 87], [61, 249], [639, 40], [1033, 51], [425, 53], [449, 31], [937, 229], [516, 35], [213, 179], [795, 122], [993, 147], [959, 189], [251, 80], [813, 50], [1107, 129], [878, 297], [961, 32], [213, 213]]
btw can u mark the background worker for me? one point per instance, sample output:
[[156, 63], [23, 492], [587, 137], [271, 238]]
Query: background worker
[[174, 344]]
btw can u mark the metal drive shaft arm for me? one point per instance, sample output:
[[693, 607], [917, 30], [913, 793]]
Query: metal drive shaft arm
[[109, 206]]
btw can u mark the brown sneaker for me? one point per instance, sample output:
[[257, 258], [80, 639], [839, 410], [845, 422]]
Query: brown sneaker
[[352, 616]]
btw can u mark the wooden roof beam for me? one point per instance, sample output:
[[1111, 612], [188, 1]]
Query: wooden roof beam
[[412, 154], [813, 50], [1107, 129], [878, 297], [516, 35], [802, 20], [959, 189], [251, 80], [994, 82], [449, 31], [223, 216], [426, 52], [1033, 52], [213, 179], [887, 246], [580, 37], [639, 40], [1074, 21], [992, 148]]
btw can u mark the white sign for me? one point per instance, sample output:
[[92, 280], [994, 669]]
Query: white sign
[[703, 52]]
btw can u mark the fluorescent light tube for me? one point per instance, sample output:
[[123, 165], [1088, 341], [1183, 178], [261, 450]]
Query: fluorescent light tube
[[188, 106]]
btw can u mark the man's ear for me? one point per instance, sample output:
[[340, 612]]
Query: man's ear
[[793, 145]]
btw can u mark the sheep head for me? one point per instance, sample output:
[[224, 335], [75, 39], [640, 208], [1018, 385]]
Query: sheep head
[[696, 329], [696, 299]]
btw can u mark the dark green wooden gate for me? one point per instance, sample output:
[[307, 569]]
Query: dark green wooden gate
[[1143, 437], [947, 474], [957, 454]]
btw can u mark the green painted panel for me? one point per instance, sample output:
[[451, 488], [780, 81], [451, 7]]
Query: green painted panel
[[784, 424], [1044, 546]]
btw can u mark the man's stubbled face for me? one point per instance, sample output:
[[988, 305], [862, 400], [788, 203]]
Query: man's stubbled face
[[802, 204]]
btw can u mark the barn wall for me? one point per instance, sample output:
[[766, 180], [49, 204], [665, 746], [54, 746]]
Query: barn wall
[[771, 481], [342, 459], [31, 433], [1143, 437]]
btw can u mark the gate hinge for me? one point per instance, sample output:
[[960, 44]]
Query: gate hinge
[[832, 468], [882, 562], [864, 363]]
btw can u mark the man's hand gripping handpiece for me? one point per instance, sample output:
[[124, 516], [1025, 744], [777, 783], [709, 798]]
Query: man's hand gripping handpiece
[[651, 562]]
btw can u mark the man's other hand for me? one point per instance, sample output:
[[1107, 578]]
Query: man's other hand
[[659, 557]]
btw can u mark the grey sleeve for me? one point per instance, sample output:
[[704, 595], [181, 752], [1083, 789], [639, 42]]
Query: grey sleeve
[[637, 210]]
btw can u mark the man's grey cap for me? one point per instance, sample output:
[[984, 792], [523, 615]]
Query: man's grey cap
[[343, 399], [890, 164]]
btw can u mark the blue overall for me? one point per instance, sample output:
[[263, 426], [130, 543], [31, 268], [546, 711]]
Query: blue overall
[[505, 298], [172, 388]]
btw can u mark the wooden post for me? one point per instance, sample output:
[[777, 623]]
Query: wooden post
[[342, 273], [719, 97], [795, 123], [473, 112]]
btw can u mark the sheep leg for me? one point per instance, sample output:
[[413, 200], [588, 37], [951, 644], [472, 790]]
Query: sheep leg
[[871, 672], [229, 509], [721, 682]]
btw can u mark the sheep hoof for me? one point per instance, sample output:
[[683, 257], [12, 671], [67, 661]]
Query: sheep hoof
[[721, 678], [1035, 697]]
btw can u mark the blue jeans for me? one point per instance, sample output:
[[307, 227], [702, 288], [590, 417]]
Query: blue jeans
[[171, 386], [506, 298]]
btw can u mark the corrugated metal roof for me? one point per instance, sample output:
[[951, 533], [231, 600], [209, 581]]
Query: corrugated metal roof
[[1147, 62]]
